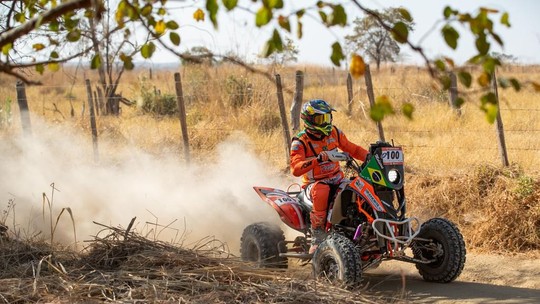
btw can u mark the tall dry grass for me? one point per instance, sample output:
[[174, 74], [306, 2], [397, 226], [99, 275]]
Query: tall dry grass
[[444, 151], [435, 140]]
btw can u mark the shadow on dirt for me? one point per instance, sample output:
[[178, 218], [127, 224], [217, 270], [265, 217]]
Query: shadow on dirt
[[416, 290]]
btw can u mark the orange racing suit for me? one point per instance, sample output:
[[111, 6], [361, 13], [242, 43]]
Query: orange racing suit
[[304, 150]]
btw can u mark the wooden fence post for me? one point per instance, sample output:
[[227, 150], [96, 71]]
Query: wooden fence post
[[453, 90], [371, 96], [96, 103], [92, 119], [349, 94], [281, 104], [101, 101], [499, 124], [297, 101], [23, 108], [182, 114]]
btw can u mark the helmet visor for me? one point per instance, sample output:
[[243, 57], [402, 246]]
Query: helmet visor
[[322, 119]]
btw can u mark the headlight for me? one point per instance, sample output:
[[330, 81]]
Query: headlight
[[394, 176]]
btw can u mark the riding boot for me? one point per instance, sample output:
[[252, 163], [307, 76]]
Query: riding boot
[[317, 236]]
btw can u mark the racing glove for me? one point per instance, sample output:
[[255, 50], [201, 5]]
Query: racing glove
[[322, 157]]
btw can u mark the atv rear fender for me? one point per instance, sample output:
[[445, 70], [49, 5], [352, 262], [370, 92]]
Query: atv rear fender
[[288, 208]]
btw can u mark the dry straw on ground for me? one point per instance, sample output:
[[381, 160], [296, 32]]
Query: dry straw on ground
[[125, 267]]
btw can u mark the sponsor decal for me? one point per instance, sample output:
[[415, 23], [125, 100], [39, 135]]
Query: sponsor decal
[[328, 167], [378, 159], [359, 184], [373, 201], [307, 164], [280, 198]]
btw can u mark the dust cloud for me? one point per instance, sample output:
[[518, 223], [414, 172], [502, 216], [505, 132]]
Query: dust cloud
[[171, 201]]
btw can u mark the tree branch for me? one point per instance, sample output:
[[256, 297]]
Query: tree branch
[[415, 48], [13, 34]]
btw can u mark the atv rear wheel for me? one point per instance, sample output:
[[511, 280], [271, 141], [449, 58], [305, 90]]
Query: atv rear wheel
[[261, 243], [338, 260], [446, 246]]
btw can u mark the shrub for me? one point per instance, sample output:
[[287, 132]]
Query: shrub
[[240, 91]]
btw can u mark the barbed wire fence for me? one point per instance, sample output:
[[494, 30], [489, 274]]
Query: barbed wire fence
[[296, 83]]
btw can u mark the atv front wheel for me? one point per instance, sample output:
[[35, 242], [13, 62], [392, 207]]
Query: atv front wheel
[[445, 246], [337, 259], [261, 243]]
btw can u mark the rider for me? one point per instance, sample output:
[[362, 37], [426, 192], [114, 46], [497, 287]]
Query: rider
[[310, 159]]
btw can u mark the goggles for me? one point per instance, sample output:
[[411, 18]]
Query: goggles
[[321, 119]]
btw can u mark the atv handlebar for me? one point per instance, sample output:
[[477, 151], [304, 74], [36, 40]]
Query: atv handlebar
[[338, 156]]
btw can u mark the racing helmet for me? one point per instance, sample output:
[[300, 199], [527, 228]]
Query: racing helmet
[[317, 116]]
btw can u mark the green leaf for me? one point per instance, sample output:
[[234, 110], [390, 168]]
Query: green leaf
[[40, 68], [400, 33], [337, 54], [160, 27], [441, 66], [263, 16], [175, 38], [53, 66], [54, 26], [146, 10], [504, 19], [503, 82], [515, 84], [339, 16], [451, 36], [284, 23], [38, 46], [273, 44], [96, 62], [128, 61], [484, 79], [447, 12], [490, 63], [491, 112], [324, 17], [459, 102], [405, 14], [446, 82], [212, 8], [271, 4], [465, 78], [147, 50], [6, 48], [172, 25], [498, 39], [407, 109], [230, 4], [299, 31], [54, 55], [482, 45], [74, 35], [381, 108], [489, 98]]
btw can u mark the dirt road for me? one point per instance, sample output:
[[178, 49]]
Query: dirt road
[[485, 279]]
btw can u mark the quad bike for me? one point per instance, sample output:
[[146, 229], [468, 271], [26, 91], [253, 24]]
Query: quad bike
[[366, 224]]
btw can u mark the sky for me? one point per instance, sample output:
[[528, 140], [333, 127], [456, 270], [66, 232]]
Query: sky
[[237, 32]]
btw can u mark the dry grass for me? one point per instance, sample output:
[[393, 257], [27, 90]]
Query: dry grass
[[452, 162], [497, 210], [124, 267]]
